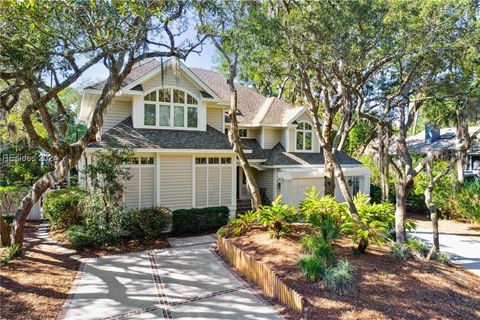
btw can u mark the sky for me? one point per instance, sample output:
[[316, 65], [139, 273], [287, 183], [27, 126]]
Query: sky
[[203, 60]]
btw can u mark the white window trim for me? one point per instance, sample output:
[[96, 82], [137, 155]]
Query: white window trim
[[172, 106], [304, 131], [214, 165]]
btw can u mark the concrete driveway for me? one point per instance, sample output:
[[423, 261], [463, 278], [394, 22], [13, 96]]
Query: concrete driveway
[[463, 249], [184, 282]]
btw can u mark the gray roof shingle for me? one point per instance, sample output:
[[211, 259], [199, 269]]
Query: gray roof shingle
[[124, 134], [277, 156]]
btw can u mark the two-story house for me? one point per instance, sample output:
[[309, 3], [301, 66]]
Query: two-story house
[[175, 122]]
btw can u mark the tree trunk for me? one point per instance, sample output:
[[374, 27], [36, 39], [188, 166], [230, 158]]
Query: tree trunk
[[400, 212], [460, 167], [235, 140], [329, 176], [5, 236]]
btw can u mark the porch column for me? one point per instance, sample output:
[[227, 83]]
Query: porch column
[[157, 179]]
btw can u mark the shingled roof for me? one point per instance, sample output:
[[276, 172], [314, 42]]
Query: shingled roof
[[249, 101], [125, 134], [278, 156]]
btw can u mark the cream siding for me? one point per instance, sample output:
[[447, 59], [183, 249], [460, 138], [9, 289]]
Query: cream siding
[[255, 134], [176, 181], [215, 118], [270, 137], [171, 80], [265, 179], [116, 112]]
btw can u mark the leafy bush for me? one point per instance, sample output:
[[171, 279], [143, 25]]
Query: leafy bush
[[95, 232], [277, 217], [238, 226], [197, 221], [374, 223], [340, 277], [148, 224], [61, 207], [399, 251], [79, 237], [417, 247], [11, 253], [316, 209], [441, 257], [468, 201], [313, 267]]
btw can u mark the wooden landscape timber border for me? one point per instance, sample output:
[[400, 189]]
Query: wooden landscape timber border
[[256, 271]]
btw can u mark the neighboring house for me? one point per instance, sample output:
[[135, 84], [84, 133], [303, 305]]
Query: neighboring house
[[175, 122], [443, 140]]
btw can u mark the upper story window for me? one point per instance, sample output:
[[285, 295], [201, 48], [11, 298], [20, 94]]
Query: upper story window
[[304, 136], [243, 133], [170, 108]]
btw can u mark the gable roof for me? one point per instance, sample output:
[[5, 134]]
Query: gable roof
[[254, 108], [125, 134], [278, 156]]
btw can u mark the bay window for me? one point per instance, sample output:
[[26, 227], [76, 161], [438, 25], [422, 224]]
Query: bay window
[[169, 108]]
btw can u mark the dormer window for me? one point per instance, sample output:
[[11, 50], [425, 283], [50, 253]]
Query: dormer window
[[304, 137], [167, 108]]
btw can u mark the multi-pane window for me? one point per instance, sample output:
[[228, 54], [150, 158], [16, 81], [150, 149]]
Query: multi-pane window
[[213, 160], [170, 108], [140, 160], [243, 133], [304, 136]]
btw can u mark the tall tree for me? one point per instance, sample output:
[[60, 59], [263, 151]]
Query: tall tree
[[328, 51], [223, 23], [428, 32], [46, 46]]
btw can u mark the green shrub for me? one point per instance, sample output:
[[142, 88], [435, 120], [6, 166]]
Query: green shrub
[[316, 209], [441, 257], [374, 223], [10, 198], [468, 201], [340, 277], [197, 221], [399, 251], [277, 217], [148, 224], [79, 237], [94, 232], [417, 247], [61, 207], [312, 267], [11, 253], [239, 226]]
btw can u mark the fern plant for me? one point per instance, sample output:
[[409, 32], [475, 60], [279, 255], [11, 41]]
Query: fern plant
[[277, 217]]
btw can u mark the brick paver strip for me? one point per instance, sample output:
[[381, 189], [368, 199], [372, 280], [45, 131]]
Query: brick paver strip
[[160, 286]]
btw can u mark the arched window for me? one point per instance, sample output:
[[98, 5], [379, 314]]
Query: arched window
[[170, 108], [304, 136]]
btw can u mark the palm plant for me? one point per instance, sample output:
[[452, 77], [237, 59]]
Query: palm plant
[[277, 217]]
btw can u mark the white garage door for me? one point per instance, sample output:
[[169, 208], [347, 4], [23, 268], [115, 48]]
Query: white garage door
[[299, 187]]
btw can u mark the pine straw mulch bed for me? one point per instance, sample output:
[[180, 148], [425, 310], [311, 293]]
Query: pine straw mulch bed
[[36, 285], [386, 288]]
